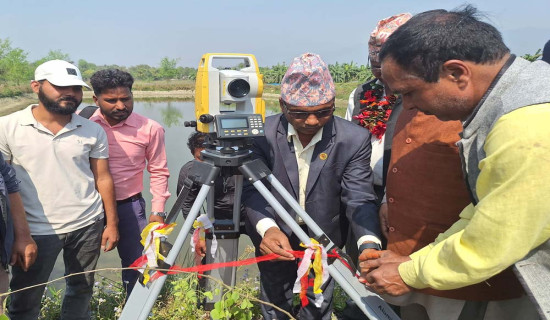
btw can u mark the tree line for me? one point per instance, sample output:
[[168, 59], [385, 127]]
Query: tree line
[[15, 68]]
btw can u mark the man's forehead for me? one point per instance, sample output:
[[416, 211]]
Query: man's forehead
[[392, 72], [116, 91]]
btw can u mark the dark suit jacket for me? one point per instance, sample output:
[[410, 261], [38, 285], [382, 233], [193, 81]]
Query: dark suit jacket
[[339, 189]]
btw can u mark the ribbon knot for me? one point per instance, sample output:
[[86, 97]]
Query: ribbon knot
[[320, 269], [151, 237], [202, 225]]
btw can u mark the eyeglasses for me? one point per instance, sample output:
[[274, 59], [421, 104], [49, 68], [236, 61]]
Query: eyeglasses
[[305, 114]]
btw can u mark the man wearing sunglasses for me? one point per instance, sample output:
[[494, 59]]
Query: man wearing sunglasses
[[324, 162]]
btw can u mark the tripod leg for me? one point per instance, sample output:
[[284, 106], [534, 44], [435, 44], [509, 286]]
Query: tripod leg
[[228, 249], [143, 298], [370, 303]]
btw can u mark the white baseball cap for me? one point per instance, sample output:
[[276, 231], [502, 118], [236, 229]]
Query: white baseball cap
[[59, 73]]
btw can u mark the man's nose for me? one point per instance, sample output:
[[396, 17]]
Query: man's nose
[[120, 105], [312, 120]]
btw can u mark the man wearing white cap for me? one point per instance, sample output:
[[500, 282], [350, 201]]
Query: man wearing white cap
[[323, 161], [67, 190]]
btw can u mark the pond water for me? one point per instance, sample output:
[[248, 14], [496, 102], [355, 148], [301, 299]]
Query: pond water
[[171, 115]]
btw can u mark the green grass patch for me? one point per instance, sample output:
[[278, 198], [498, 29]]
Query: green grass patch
[[164, 85], [13, 89]]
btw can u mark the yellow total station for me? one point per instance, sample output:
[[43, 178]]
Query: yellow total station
[[227, 83]]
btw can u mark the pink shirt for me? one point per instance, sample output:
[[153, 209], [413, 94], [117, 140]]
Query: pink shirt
[[133, 143]]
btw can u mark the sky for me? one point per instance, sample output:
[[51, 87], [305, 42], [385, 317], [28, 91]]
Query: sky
[[128, 33]]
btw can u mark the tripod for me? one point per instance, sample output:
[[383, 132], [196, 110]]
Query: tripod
[[143, 297]]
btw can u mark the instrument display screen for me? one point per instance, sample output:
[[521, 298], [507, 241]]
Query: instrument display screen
[[234, 123]]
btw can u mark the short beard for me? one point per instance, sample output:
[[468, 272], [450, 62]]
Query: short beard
[[55, 107]]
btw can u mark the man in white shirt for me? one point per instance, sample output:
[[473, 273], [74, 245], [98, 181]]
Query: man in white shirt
[[66, 187]]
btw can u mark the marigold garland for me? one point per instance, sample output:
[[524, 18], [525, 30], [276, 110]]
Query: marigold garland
[[376, 109]]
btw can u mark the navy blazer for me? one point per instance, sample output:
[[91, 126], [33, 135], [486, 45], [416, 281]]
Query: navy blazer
[[340, 184]]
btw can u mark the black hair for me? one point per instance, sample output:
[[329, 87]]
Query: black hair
[[196, 140], [431, 38], [111, 79], [546, 52]]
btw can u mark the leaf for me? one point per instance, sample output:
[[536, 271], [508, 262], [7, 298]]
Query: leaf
[[229, 302], [208, 294], [215, 314], [235, 296]]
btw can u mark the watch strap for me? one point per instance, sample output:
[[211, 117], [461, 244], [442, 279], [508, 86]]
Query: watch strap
[[369, 245], [160, 214]]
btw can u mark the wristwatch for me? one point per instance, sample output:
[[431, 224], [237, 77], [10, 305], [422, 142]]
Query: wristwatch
[[160, 214], [369, 245]]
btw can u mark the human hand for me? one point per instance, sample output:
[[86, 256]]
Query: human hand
[[369, 260], [24, 252], [387, 280], [275, 241], [200, 247], [109, 239], [381, 274], [384, 223]]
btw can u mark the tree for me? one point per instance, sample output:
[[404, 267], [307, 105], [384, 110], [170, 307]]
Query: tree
[[143, 72], [87, 68], [168, 68], [14, 66], [53, 55]]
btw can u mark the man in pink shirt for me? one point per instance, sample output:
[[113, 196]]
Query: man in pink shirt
[[134, 143]]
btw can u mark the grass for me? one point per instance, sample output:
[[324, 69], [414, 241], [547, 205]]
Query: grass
[[8, 90], [180, 298], [164, 85]]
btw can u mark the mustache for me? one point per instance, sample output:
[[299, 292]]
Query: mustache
[[71, 99], [123, 111]]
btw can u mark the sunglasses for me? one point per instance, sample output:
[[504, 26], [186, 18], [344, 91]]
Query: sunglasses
[[305, 114]]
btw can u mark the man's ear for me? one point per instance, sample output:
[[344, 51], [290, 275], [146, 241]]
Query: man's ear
[[456, 71], [35, 86], [281, 105], [95, 100]]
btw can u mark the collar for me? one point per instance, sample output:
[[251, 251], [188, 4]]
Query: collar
[[131, 121], [28, 119], [501, 72], [291, 131]]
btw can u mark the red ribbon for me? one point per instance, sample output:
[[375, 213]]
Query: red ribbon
[[207, 267]]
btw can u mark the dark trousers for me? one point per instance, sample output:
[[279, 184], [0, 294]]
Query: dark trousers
[[80, 253], [131, 221], [277, 281]]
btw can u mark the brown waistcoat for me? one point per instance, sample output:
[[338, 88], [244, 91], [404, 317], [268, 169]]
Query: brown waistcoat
[[426, 192]]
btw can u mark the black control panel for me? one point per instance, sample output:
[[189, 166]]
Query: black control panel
[[239, 126]]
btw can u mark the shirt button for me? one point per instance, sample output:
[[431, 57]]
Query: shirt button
[[391, 200], [392, 229], [408, 140], [394, 170]]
